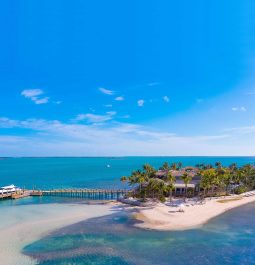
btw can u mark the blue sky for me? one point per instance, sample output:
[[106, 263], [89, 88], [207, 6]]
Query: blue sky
[[127, 78]]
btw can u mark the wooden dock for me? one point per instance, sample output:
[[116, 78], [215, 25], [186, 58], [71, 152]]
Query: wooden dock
[[15, 195], [89, 194], [36, 193], [20, 195]]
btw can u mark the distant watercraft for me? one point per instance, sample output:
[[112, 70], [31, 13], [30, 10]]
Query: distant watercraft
[[9, 189]]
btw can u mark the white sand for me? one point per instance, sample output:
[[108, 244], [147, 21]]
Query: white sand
[[22, 225], [165, 217]]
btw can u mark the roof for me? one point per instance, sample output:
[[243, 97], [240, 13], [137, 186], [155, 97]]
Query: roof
[[191, 171]]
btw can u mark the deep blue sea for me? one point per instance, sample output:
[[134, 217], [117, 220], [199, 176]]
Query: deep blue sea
[[112, 240]]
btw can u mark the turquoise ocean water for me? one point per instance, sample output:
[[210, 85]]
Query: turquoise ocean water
[[112, 240], [48, 173]]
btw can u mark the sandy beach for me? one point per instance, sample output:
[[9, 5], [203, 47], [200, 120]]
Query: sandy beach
[[21, 225], [167, 217], [24, 224]]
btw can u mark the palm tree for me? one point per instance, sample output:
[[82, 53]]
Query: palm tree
[[156, 187], [132, 180], [165, 166], [218, 165], [249, 175], [171, 180], [137, 178], [152, 186], [233, 167], [223, 178], [200, 166], [170, 187], [149, 170], [174, 166], [186, 179], [123, 179], [239, 176], [162, 189], [208, 166], [140, 181], [179, 165], [208, 176]]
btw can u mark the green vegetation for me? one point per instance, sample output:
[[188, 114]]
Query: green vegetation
[[205, 180]]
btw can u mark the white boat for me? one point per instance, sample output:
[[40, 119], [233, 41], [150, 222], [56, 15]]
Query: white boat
[[9, 189]]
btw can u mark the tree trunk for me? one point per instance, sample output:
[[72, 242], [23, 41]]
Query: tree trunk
[[185, 193], [171, 193]]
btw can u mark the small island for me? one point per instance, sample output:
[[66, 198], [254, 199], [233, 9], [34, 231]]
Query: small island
[[174, 197]]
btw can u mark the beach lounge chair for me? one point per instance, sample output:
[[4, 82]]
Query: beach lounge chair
[[181, 209]]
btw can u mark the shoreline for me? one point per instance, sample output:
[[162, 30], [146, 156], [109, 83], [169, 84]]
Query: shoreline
[[21, 225], [164, 217]]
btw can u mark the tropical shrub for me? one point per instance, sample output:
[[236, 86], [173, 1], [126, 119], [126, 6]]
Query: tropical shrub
[[162, 198], [240, 189]]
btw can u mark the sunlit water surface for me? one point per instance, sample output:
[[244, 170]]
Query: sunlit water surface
[[113, 240]]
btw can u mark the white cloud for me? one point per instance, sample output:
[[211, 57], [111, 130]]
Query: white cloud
[[242, 130], [140, 102], [106, 91], [108, 105], [39, 101], [119, 98], [94, 118], [31, 93], [111, 113], [53, 137], [7, 123], [242, 109], [34, 95], [166, 99]]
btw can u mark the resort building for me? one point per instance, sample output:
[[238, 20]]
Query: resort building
[[193, 186]]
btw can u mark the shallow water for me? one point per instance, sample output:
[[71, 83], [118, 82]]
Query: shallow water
[[112, 240], [227, 239], [22, 224]]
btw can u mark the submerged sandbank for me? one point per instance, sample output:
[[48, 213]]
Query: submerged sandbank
[[24, 224], [21, 225], [167, 217]]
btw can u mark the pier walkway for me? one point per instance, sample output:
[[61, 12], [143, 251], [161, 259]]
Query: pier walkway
[[90, 194], [15, 195]]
